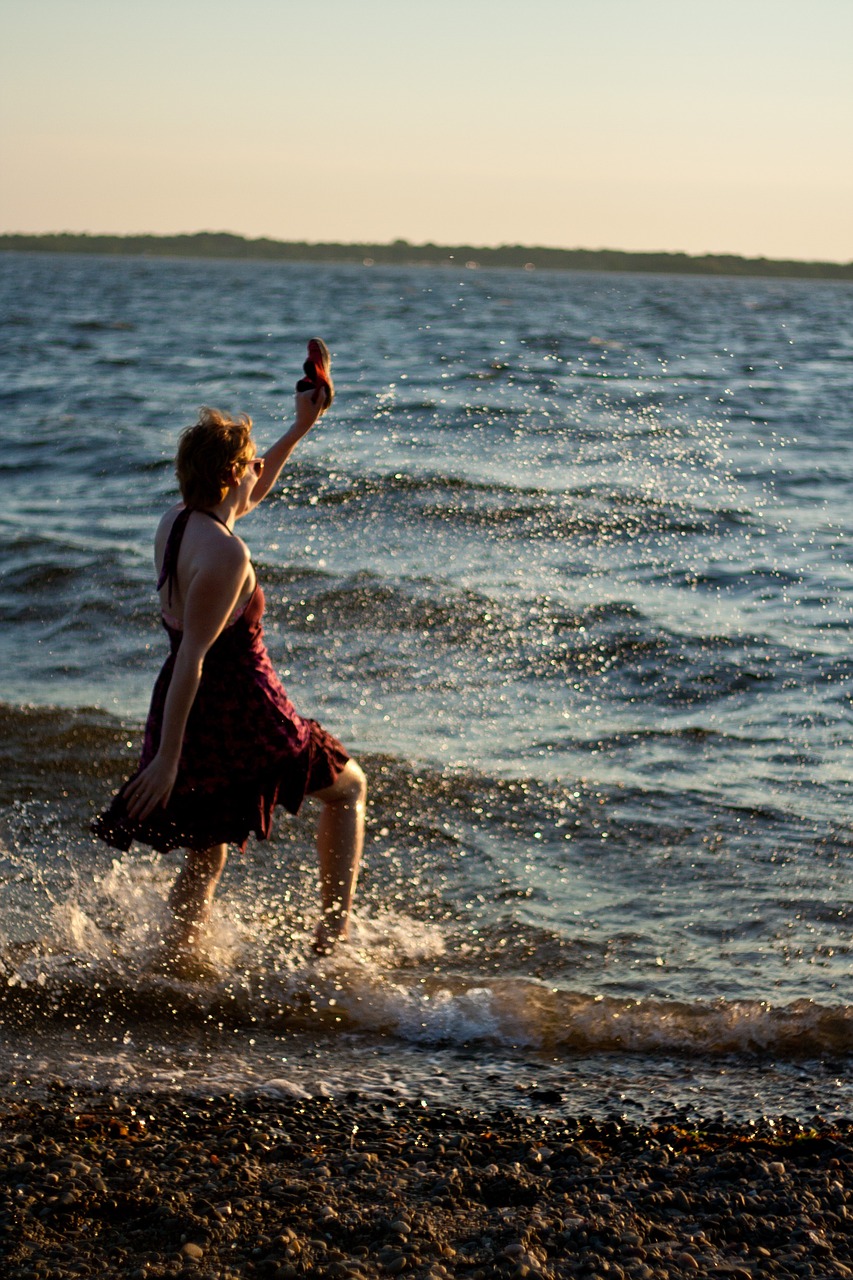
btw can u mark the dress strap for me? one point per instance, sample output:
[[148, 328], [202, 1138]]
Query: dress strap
[[215, 517], [169, 572]]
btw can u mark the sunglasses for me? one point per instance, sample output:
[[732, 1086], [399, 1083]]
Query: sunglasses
[[256, 466]]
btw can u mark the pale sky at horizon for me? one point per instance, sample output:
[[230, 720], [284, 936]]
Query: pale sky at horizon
[[705, 127]]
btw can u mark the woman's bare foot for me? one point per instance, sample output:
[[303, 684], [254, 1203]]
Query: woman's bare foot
[[181, 955], [183, 937], [331, 930]]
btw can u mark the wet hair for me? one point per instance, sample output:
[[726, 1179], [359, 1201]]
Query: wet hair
[[206, 454]]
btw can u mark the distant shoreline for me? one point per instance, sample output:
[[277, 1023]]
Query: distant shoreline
[[206, 244]]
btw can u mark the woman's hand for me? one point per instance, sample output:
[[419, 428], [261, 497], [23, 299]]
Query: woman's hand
[[151, 789], [307, 412]]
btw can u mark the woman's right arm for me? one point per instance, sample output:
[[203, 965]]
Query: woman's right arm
[[210, 600], [307, 414]]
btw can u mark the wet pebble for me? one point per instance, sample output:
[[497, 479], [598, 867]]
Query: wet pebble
[[213, 1189]]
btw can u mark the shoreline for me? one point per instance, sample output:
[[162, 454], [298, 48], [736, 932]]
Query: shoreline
[[207, 245], [285, 1186]]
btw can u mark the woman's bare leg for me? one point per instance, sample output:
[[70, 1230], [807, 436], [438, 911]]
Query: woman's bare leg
[[191, 896], [340, 839]]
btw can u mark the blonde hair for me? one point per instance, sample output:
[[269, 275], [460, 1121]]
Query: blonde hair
[[206, 454]]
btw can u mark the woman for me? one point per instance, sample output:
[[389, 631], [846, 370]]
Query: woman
[[223, 743]]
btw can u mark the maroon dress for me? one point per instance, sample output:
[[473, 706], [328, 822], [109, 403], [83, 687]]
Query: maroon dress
[[245, 748]]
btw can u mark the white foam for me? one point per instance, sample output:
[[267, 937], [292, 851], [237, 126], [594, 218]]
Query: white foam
[[72, 929], [393, 979], [282, 1089], [407, 940]]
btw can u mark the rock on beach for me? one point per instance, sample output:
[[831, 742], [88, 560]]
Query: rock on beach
[[284, 1187]]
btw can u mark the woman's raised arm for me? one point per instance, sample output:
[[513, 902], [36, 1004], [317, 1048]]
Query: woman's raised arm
[[275, 457]]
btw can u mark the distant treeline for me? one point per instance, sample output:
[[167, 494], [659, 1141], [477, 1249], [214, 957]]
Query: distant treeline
[[208, 244]]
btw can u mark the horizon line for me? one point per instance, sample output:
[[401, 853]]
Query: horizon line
[[400, 246]]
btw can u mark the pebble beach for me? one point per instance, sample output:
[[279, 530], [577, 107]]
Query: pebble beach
[[280, 1187]]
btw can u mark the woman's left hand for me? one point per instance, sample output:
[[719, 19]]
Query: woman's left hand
[[151, 789]]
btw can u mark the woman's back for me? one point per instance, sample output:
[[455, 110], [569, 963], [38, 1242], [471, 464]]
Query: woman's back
[[197, 556]]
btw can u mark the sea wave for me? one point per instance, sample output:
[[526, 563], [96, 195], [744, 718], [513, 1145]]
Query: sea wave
[[605, 513], [357, 992]]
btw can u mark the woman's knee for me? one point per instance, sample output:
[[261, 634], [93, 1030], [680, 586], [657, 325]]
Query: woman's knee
[[349, 788], [355, 782]]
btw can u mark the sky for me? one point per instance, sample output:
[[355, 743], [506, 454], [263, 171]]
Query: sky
[[647, 125]]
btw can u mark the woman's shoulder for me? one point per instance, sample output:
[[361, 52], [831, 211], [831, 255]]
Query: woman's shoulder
[[168, 518], [164, 528], [212, 545], [203, 540]]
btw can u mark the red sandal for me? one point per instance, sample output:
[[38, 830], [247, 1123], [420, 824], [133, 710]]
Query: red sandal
[[317, 369]]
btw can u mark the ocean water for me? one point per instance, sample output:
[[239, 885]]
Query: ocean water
[[567, 568]]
